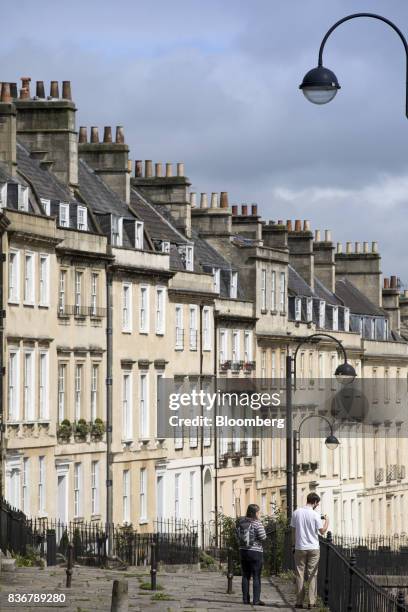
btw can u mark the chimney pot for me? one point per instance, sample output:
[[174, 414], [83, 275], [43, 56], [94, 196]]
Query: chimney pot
[[357, 247], [25, 84], [66, 90], [406, 293], [234, 210], [83, 134], [386, 283], [224, 199], [54, 90], [193, 199], [158, 169], [254, 210], [393, 282], [339, 247], [203, 201], [13, 90], [180, 169], [298, 225], [365, 247], [289, 225], [374, 247], [244, 210], [107, 134], [138, 168], [148, 168], [5, 93], [327, 235], [280, 222], [40, 90], [348, 247], [120, 135], [214, 200], [169, 170], [317, 236], [129, 165], [306, 226], [94, 134]]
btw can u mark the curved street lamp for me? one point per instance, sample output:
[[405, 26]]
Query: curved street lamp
[[320, 85], [331, 443], [345, 374]]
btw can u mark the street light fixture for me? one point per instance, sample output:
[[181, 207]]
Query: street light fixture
[[345, 373], [320, 85]]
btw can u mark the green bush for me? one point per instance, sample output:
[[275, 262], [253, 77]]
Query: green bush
[[81, 428], [97, 428], [64, 429]]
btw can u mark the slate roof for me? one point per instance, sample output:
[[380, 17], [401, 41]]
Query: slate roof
[[44, 182], [322, 292], [98, 194], [297, 285], [158, 227], [354, 299]]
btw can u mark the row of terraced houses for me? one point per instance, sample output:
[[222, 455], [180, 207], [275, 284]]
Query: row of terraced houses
[[115, 275]]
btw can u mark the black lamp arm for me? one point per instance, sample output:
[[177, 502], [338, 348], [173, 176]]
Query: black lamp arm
[[318, 335], [379, 18]]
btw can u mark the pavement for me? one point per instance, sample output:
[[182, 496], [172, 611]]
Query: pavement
[[186, 591]]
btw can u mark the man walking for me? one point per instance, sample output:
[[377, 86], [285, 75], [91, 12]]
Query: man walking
[[251, 534], [306, 526]]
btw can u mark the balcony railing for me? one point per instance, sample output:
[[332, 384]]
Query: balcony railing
[[66, 310], [225, 365], [249, 366], [378, 475], [236, 366]]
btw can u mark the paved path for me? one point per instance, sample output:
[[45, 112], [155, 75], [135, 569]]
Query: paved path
[[184, 592]]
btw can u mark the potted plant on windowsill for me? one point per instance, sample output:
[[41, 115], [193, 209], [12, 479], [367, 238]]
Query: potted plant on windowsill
[[81, 430], [97, 429], [64, 430]]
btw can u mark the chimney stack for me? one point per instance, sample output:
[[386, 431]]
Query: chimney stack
[[107, 134], [224, 199], [94, 135], [54, 90], [138, 168], [66, 90], [83, 135], [301, 251], [40, 90], [8, 140], [362, 269]]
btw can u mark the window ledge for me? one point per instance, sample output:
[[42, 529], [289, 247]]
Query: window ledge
[[43, 305], [14, 302], [29, 304]]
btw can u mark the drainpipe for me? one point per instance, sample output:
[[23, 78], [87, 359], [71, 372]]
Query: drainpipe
[[215, 433], [202, 430], [4, 222], [109, 352]]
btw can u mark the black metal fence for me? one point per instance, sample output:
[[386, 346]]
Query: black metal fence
[[377, 556]]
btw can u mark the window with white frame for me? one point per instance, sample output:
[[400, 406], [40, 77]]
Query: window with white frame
[[335, 326], [143, 494], [127, 307], [64, 215], [126, 496], [216, 279], [234, 285], [263, 289], [159, 397], [95, 487], [189, 258], [23, 198], [207, 428], [282, 287], [263, 365], [139, 235], [179, 326], [144, 310], [26, 486], [127, 425], [14, 277], [78, 390], [41, 485], [82, 218], [165, 246], [273, 291], [94, 293], [44, 282], [193, 327], [309, 310], [78, 493], [62, 374], [347, 319], [206, 329], [29, 278], [43, 385], [3, 195], [178, 429], [247, 346], [78, 292], [193, 430], [273, 367], [223, 350], [29, 406], [191, 495], [46, 204], [321, 367], [62, 291], [177, 495], [298, 309], [94, 391], [160, 310], [322, 313], [144, 406], [116, 230], [235, 345]]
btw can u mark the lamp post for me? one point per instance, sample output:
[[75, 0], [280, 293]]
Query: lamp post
[[320, 85], [331, 442], [345, 374]]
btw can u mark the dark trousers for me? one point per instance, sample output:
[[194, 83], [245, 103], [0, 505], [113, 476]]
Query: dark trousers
[[251, 565]]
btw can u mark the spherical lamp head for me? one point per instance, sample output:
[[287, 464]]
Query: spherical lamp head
[[319, 85]]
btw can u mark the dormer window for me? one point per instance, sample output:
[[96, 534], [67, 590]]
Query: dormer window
[[117, 231], [347, 319], [3, 195], [46, 204], [322, 313], [216, 279], [234, 285], [165, 246], [298, 309], [309, 312], [138, 234], [23, 198], [64, 215], [187, 254], [335, 326], [82, 219]]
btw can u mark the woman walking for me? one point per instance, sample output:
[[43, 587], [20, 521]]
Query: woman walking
[[251, 534]]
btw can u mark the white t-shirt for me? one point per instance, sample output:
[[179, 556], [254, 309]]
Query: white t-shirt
[[307, 523]]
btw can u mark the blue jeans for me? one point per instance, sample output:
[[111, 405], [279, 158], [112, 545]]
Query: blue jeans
[[251, 566]]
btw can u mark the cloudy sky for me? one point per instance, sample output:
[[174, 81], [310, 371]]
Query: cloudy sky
[[214, 83]]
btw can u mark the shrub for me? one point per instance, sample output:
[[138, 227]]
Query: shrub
[[64, 430], [81, 428], [97, 428]]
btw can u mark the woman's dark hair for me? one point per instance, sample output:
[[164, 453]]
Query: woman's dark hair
[[252, 510]]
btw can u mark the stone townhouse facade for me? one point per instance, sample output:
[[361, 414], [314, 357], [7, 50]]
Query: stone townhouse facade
[[113, 283]]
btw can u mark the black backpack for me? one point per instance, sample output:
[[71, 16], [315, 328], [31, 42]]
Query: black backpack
[[245, 533]]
